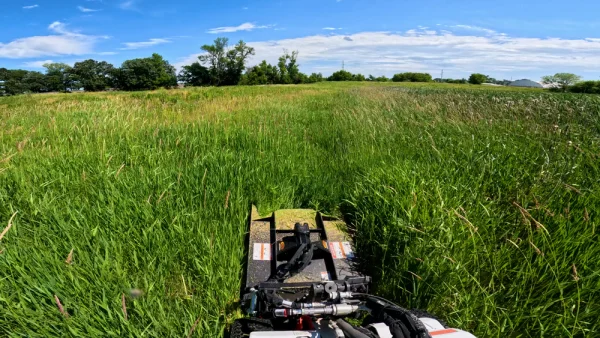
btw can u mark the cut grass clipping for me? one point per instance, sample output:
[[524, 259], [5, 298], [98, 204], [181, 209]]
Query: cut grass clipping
[[478, 205]]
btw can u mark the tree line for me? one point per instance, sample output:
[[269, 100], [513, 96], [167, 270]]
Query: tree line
[[90, 75], [219, 65], [568, 82]]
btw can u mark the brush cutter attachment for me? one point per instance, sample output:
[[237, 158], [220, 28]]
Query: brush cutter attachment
[[300, 281]]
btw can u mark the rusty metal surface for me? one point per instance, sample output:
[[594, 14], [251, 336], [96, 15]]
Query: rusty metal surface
[[258, 271], [336, 232]]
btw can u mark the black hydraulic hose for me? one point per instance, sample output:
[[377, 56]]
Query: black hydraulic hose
[[366, 295], [402, 323], [349, 330]]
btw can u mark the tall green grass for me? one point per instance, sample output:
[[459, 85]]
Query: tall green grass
[[473, 204]]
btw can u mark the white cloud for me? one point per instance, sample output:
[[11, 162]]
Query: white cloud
[[127, 4], [107, 53], [475, 29], [36, 64], [31, 7], [428, 50], [243, 27], [58, 27], [87, 10], [62, 42], [331, 28], [144, 44]]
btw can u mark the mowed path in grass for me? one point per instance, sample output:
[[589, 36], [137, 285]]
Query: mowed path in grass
[[480, 205]]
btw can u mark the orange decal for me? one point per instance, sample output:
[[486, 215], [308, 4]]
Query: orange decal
[[441, 332], [342, 248], [262, 251], [332, 250]]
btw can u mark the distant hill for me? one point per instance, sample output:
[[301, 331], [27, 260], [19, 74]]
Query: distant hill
[[525, 83]]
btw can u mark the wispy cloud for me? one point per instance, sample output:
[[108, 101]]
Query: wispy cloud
[[87, 10], [63, 41], [60, 28], [31, 7], [331, 28], [144, 44], [36, 64], [474, 29], [128, 5], [430, 50], [243, 27]]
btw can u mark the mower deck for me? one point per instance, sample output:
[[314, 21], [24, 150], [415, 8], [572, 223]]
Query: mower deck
[[266, 234]]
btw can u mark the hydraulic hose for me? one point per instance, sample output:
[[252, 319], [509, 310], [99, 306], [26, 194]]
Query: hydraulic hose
[[349, 330]]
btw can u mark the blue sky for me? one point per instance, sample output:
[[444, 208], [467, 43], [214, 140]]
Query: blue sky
[[505, 39]]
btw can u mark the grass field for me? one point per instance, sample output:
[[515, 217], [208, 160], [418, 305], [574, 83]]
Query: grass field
[[478, 204]]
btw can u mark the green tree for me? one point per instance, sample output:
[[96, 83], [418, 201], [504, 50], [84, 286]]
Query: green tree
[[35, 82], [236, 63], [286, 72], [12, 81], [457, 81], [358, 77], [412, 77], [477, 78], [60, 77], [254, 76], [93, 75], [261, 74], [400, 77], [314, 78], [3, 76], [301, 78], [214, 58], [340, 75], [195, 75], [289, 71], [589, 87], [146, 73], [18, 81], [271, 72], [226, 66], [561, 80]]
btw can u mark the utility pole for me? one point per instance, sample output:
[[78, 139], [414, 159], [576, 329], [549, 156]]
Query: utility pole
[[442, 77], [343, 65]]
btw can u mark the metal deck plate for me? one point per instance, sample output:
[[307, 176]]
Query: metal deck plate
[[266, 231]]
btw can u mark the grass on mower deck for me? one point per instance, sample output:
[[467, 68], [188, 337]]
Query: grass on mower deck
[[477, 204]]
